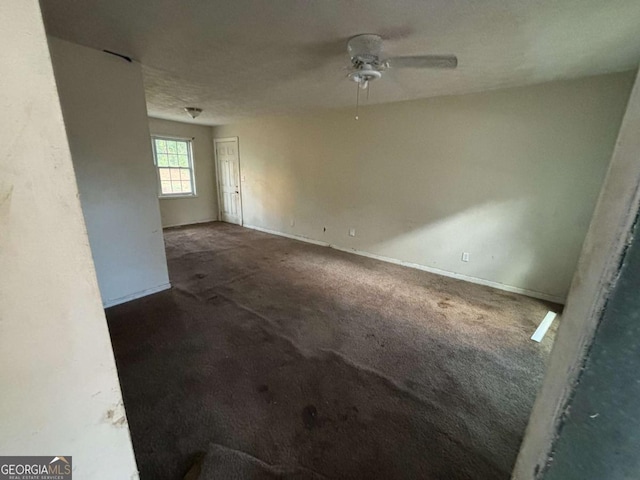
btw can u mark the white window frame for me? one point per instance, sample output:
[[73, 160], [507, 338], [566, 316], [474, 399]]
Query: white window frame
[[192, 166]]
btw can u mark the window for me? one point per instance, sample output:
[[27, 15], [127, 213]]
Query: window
[[174, 161]]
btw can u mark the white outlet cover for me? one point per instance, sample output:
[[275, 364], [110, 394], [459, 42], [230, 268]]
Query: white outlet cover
[[465, 256], [352, 232]]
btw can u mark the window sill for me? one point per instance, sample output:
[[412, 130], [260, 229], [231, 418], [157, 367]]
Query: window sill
[[169, 197]]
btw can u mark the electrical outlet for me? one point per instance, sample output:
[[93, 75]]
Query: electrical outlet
[[292, 222], [352, 232], [465, 256]]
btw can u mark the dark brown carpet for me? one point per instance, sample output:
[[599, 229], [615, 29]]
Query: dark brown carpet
[[272, 356]]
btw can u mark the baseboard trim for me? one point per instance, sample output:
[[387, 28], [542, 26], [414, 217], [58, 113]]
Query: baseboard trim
[[289, 235], [417, 266], [134, 296], [458, 276], [191, 223]]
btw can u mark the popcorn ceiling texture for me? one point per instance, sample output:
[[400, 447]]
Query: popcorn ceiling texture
[[291, 360], [248, 58]]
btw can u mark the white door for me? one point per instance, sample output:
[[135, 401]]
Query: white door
[[228, 174]]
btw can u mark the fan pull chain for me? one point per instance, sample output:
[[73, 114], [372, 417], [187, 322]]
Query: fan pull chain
[[357, 98]]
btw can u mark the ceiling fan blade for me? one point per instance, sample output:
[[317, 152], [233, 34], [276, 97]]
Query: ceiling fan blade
[[423, 61]]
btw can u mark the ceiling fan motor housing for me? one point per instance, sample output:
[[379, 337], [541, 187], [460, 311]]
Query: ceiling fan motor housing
[[365, 50]]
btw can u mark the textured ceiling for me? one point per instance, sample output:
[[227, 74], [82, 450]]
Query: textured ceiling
[[245, 58]]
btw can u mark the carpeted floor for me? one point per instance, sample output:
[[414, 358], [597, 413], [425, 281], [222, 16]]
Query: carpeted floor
[[273, 358]]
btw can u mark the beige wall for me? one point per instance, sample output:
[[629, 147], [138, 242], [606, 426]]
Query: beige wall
[[510, 176], [105, 114], [204, 206], [57, 374]]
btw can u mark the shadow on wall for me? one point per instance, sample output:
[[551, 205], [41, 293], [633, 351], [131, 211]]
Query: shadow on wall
[[515, 264], [510, 176]]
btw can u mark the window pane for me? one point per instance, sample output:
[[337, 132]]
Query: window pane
[[186, 187], [185, 174], [176, 186], [175, 173], [182, 147], [164, 174], [173, 160], [183, 161], [163, 160], [161, 146], [165, 187], [171, 146]]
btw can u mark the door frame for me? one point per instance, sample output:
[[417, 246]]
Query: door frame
[[217, 172]]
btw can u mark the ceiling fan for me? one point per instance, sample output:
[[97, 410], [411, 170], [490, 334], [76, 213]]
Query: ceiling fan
[[368, 64]]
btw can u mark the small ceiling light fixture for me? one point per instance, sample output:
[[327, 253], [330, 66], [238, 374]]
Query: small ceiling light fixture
[[193, 111]]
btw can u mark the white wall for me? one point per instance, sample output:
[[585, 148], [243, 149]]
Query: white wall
[[509, 176], [57, 374], [204, 206], [105, 115]]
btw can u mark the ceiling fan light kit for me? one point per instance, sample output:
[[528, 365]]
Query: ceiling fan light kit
[[365, 75], [368, 64]]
